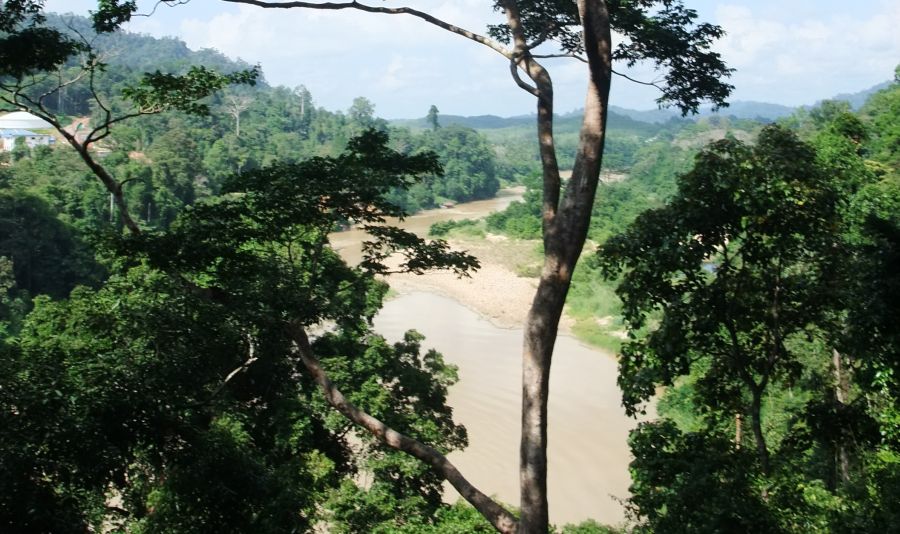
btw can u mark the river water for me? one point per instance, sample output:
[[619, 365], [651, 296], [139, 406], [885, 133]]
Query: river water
[[349, 242], [588, 429]]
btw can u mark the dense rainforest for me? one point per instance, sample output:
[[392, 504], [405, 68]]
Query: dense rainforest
[[757, 283], [153, 381], [172, 159]]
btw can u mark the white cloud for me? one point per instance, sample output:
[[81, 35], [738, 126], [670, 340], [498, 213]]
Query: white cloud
[[786, 51], [800, 61]]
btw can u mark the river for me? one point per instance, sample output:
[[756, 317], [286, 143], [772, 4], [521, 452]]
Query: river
[[588, 429], [349, 242]]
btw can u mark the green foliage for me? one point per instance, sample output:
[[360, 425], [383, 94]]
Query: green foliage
[[588, 527], [694, 482], [442, 228], [277, 124], [596, 308], [460, 518], [881, 113], [432, 117], [469, 168], [175, 387], [158, 92], [521, 220], [111, 14], [662, 32], [763, 218], [27, 47], [398, 489], [735, 300], [47, 256], [649, 184]]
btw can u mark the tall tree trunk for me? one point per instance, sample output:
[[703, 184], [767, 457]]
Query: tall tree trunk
[[841, 396], [565, 231], [756, 414]]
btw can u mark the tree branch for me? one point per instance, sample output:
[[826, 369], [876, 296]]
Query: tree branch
[[334, 6], [514, 70], [553, 56], [23, 102], [629, 78], [170, 3], [544, 88], [499, 517], [251, 357]]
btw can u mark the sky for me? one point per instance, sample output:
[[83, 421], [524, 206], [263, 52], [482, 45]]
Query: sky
[[789, 52]]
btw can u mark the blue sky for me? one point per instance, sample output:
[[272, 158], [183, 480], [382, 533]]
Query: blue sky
[[785, 51]]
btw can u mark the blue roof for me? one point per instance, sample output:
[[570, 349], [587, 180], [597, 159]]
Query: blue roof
[[7, 132]]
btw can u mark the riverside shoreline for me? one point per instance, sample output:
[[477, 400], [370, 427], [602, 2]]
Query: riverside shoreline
[[494, 291], [476, 323]]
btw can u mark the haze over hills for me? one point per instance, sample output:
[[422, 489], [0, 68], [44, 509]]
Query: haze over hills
[[623, 117], [569, 122]]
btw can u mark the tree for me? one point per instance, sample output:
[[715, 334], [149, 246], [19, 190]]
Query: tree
[[175, 385], [469, 167], [164, 307], [661, 32], [772, 268], [306, 109], [31, 71], [740, 263], [46, 255], [432, 118], [235, 105], [362, 113]]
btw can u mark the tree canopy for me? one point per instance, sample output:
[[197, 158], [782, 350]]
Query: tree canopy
[[275, 250], [743, 296]]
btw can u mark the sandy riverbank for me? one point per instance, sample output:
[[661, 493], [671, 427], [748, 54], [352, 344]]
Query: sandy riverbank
[[495, 291]]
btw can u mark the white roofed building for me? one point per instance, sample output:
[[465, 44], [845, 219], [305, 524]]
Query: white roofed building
[[22, 120], [19, 125]]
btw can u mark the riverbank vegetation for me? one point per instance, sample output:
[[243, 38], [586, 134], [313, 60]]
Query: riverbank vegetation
[[753, 289], [768, 332]]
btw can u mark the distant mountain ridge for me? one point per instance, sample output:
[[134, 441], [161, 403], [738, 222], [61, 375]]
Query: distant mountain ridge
[[741, 109], [562, 123], [856, 100]]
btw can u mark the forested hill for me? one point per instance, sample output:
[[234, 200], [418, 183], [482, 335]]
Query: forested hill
[[51, 206], [142, 52], [174, 159], [132, 54]]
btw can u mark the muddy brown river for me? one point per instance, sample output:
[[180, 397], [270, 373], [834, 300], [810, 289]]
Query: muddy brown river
[[588, 429], [349, 242]]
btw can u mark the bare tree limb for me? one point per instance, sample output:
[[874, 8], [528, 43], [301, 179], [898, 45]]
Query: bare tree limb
[[514, 70], [564, 56], [629, 78], [251, 357], [170, 3], [334, 6], [498, 516]]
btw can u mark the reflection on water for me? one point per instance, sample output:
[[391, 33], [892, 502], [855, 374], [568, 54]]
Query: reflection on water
[[588, 454], [349, 243]]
